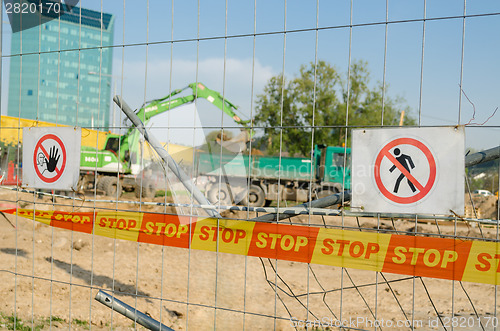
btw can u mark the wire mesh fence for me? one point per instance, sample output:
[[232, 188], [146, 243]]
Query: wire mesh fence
[[223, 201]]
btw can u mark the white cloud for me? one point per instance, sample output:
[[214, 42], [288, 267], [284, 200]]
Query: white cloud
[[234, 80], [237, 86]]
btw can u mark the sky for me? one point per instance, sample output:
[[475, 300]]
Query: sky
[[427, 75]]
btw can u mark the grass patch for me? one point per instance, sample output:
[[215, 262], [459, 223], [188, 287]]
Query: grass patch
[[80, 322], [54, 319], [162, 193], [11, 322], [58, 319], [15, 323]]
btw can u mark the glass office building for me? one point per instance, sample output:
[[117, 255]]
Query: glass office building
[[63, 75]]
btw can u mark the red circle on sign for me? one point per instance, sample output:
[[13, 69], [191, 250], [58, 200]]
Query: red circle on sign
[[432, 165], [39, 146]]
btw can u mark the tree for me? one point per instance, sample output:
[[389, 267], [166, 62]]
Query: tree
[[289, 105], [10, 152]]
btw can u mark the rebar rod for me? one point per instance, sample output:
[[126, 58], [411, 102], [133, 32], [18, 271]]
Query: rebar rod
[[130, 312], [157, 146]]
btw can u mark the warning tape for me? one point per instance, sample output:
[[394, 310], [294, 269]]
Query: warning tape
[[453, 259], [281, 210]]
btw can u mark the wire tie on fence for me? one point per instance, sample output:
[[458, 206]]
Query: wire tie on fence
[[464, 220], [456, 215], [88, 134], [34, 123], [82, 198]]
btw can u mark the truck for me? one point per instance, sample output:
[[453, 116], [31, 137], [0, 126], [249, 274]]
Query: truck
[[116, 167], [259, 180]]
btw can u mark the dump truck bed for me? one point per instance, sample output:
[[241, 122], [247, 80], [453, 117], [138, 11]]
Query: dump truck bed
[[266, 167]]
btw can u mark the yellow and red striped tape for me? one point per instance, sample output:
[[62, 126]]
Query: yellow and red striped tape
[[454, 259]]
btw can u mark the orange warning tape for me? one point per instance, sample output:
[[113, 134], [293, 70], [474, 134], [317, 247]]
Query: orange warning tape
[[466, 260]]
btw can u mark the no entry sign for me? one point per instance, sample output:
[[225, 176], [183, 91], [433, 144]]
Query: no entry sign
[[51, 157], [49, 166], [419, 170], [405, 164]]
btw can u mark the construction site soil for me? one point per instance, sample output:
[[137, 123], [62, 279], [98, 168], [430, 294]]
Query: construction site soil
[[49, 278]]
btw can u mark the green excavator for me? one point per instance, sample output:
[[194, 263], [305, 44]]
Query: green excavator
[[116, 167]]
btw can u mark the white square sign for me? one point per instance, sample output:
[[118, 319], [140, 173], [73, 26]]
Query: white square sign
[[51, 157], [408, 170]]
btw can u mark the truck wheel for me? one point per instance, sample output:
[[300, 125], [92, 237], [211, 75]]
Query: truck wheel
[[256, 196], [148, 190], [110, 185], [223, 196]]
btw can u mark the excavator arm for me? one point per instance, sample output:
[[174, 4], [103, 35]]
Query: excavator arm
[[166, 103], [159, 106]]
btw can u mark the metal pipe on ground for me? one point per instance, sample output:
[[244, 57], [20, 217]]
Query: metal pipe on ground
[[470, 160], [328, 201], [483, 156], [156, 145], [130, 312]]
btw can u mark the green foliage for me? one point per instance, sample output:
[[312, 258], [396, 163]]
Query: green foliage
[[11, 322], [10, 152], [319, 97], [15, 323], [55, 319], [483, 176], [488, 182], [161, 193], [80, 322]]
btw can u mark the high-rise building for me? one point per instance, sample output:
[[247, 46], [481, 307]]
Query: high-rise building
[[63, 74]]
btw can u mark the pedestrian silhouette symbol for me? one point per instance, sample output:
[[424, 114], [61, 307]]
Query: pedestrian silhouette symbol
[[407, 163]]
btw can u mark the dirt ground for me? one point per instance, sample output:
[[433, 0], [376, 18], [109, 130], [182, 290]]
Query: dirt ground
[[485, 206], [53, 273]]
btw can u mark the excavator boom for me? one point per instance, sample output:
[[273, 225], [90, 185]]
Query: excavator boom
[[166, 103], [159, 106]]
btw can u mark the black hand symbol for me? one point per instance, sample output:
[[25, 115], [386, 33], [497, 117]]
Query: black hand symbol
[[53, 159]]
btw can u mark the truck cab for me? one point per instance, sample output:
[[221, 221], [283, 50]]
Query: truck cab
[[333, 165]]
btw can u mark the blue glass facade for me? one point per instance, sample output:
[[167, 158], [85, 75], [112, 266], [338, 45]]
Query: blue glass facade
[[63, 75]]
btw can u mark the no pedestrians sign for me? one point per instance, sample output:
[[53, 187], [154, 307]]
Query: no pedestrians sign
[[51, 157], [403, 170]]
